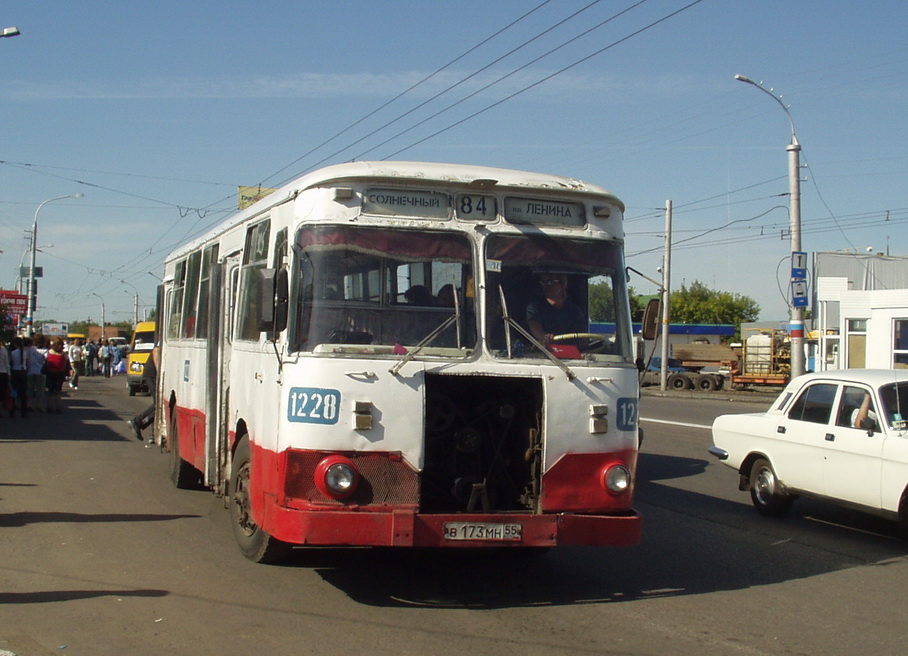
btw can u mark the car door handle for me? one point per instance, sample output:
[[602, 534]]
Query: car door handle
[[780, 429], [830, 437]]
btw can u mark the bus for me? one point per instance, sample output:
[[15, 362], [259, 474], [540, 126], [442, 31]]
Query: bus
[[349, 361]]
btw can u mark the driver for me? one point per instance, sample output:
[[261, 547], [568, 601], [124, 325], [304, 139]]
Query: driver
[[554, 313]]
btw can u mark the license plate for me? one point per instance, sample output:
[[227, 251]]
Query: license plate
[[482, 531]]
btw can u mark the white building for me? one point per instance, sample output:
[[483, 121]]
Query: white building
[[861, 311]]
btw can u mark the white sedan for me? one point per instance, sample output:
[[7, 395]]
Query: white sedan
[[838, 435]]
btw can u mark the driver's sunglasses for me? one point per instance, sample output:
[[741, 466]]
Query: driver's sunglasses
[[548, 282]]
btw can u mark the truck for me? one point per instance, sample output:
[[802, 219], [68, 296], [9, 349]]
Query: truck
[[681, 377], [765, 358]]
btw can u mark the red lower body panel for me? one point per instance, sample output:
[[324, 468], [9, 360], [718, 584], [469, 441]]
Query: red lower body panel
[[404, 528]]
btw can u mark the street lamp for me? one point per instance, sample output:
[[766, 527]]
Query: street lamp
[[135, 319], [32, 286], [9, 31], [103, 335], [796, 326]]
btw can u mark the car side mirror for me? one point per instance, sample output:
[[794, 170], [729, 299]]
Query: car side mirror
[[868, 425]]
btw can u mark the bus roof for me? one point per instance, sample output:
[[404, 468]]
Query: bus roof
[[418, 173]]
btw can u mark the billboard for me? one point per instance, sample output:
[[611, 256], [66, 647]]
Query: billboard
[[246, 196], [15, 302]]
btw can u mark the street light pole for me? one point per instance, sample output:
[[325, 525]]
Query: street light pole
[[135, 320], [32, 283], [796, 327], [103, 334]]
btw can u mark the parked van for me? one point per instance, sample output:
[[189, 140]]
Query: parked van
[[139, 351]]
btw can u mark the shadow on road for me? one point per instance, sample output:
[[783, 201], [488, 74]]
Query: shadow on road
[[26, 517], [692, 544], [71, 595]]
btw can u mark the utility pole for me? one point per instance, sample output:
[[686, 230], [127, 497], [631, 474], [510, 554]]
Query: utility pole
[[796, 305], [666, 305]]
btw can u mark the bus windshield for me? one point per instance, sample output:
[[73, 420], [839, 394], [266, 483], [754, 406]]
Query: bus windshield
[[569, 294], [384, 291]]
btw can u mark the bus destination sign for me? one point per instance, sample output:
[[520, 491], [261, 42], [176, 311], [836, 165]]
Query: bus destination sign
[[405, 202], [537, 211]]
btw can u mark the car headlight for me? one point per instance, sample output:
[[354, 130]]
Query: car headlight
[[336, 477], [616, 479], [136, 367]]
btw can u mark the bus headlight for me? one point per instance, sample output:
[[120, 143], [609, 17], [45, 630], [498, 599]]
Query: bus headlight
[[336, 477], [616, 479]]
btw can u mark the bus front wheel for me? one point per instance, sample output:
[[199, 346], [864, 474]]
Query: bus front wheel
[[254, 542]]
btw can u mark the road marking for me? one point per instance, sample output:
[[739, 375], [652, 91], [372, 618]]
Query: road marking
[[676, 423]]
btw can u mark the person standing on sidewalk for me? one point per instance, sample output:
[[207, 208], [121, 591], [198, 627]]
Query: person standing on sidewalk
[[57, 368], [4, 377], [77, 361], [36, 378], [18, 362]]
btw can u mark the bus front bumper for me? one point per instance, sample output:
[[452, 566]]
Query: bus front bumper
[[407, 528]]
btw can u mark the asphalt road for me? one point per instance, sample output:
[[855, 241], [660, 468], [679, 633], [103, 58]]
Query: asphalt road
[[100, 554]]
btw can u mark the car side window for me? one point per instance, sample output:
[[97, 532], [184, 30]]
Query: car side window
[[814, 404], [856, 405]]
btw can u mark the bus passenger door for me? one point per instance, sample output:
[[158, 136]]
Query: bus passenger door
[[220, 310]]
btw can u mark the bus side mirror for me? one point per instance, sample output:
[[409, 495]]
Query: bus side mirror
[[274, 296], [650, 324], [265, 318], [281, 300]]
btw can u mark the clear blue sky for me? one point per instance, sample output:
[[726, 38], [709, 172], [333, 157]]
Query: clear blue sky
[[156, 111]]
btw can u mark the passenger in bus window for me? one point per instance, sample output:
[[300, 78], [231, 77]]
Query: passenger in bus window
[[419, 295], [445, 296], [554, 313]]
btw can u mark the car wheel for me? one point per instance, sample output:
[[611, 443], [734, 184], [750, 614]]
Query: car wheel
[[766, 491], [253, 541]]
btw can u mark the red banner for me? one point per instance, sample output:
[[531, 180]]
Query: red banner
[[15, 302]]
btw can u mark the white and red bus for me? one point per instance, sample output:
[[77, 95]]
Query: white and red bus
[[349, 361]]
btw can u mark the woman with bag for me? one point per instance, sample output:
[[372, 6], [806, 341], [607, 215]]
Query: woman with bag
[[56, 369]]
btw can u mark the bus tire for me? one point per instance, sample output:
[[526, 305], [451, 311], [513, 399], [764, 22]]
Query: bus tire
[[183, 475], [254, 542]]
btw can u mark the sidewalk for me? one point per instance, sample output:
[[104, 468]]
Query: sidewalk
[[99, 403]]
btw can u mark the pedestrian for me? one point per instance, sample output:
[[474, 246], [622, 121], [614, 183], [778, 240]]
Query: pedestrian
[[18, 364], [90, 352], [77, 362], [116, 356], [146, 418], [105, 355], [35, 372], [4, 378], [56, 369]]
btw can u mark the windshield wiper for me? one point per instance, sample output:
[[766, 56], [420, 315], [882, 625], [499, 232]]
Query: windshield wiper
[[509, 322], [428, 339]]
